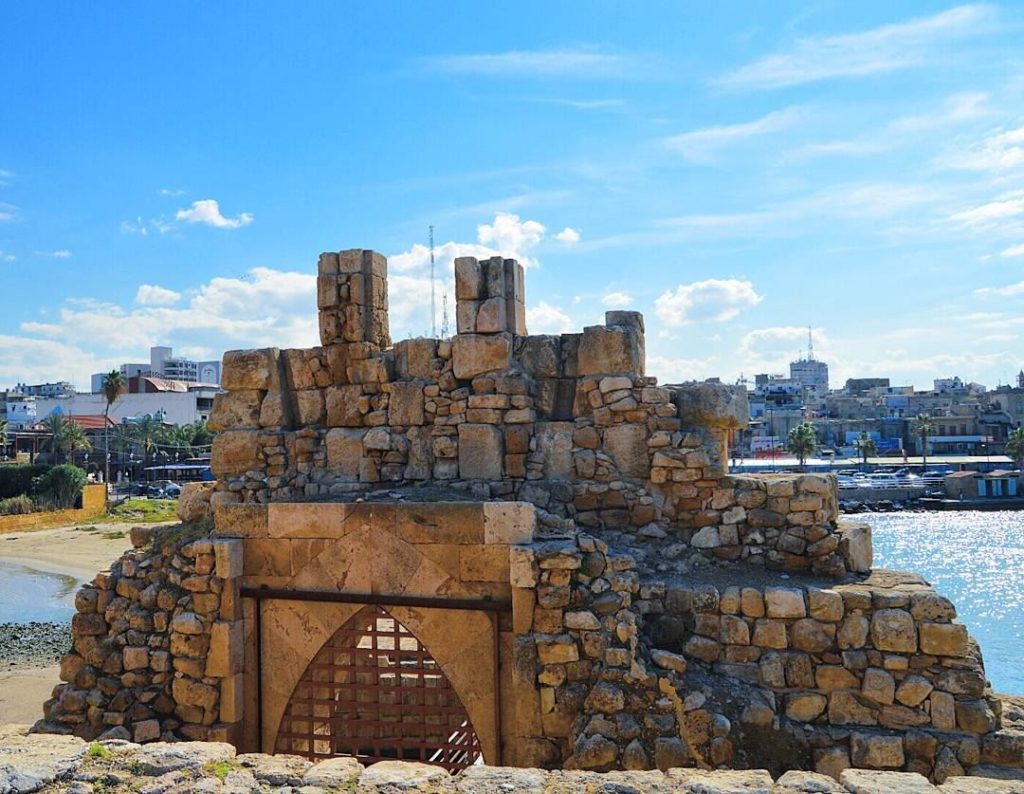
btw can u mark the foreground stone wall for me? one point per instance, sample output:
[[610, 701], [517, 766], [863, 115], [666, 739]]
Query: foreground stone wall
[[872, 674], [52, 764], [156, 643]]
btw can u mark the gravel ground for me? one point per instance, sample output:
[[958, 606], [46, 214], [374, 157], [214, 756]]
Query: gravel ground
[[33, 644]]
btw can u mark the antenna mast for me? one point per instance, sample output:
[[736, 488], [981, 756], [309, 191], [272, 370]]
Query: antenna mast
[[433, 296], [810, 345]]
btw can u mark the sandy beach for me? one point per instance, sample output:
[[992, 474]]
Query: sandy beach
[[68, 551]]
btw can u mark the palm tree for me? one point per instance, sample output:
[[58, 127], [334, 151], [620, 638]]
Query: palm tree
[[113, 386], [1015, 447], [182, 437], [802, 442], [65, 436], [923, 427], [147, 432], [867, 447]]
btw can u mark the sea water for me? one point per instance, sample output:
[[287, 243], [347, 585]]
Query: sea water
[[976, 559], [27, 595]]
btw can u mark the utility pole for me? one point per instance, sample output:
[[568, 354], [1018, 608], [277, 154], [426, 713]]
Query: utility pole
[[433, 289], [810, 345]]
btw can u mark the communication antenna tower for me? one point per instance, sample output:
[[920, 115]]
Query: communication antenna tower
[[810, 345], [433, 296], [444, 315]]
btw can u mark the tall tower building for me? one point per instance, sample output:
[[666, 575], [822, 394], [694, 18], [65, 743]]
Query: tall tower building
[[811, 374]]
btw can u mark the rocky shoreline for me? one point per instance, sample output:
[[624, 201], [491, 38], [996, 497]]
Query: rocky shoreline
[[34, 644]]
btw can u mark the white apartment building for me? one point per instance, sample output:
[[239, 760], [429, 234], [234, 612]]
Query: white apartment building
[[164, 364]]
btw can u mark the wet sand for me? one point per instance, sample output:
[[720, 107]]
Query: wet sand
[[68, 551]]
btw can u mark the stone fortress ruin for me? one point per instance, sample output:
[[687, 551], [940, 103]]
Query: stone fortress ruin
[[519, 549]]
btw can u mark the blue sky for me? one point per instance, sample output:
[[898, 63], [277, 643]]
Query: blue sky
[[736, 171]]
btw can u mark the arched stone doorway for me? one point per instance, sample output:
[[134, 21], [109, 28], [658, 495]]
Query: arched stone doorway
[[375, 692]]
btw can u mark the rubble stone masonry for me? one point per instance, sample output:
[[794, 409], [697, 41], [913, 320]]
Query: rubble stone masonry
[[653, 610]]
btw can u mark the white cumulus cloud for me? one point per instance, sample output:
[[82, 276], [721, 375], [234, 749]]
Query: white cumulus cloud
[[510, 236], [547, 319], [617, 300], [207, 211], [712, 300], [152, 295], [568, 235]]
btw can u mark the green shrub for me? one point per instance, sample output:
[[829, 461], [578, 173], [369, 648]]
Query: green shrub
[[61, 487], [16, 478], [17, 506]]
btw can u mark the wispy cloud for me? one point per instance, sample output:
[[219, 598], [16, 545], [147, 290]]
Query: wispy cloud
[[8, 212], [1003, 150], [1013, 250], [5, 177], [1009, 291], [62, 253], [1005, 213], [207, 212], [168, 191], [704, 145], [568, 62], [143, 228], [6, 257], [617, 300], [888, 48]]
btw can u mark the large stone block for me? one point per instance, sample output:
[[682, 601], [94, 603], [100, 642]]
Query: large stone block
[[416, 358], [554, 442], [343, 408], [539, 356], [627, 446], [609, 351], [944, 639], [344, 452], [475, 354], [468, 281], [894, 630], [856, 547], [405, 406], [876, 752], [480, 452], [251, 369], [236, 410], [714, 404], [235, 452]]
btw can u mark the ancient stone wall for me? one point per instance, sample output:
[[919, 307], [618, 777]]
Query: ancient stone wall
[[156, 644], [874, 673], [569, 423]]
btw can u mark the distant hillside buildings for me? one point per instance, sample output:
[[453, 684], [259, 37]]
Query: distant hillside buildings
[[163, 364]]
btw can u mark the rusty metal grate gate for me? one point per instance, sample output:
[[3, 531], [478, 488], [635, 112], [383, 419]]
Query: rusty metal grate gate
[[375, 693]]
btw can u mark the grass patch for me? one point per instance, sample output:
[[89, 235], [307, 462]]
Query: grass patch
[[97, 750], [115, 534], [88, 528], [219, 769], [144, 511]]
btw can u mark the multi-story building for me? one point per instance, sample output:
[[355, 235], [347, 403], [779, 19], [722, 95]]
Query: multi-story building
[[163, 364], [60, 389], [20, 410]]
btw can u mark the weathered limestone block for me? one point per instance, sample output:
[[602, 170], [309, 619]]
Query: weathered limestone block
[[865, 781], [344, 451], [343, 406], [194, 502], [944, 639], [236, 410], [235, 452], [309, 407], [856, 547], [417, 358], [480, 452], [251, 369], [627, 446], [475, 354], [607, 351], [894, 630], [554, 442], [784, 602], [714, 404], [405, 406]]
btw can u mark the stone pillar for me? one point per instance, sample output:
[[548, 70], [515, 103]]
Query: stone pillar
[[490, 296], [352, 296]]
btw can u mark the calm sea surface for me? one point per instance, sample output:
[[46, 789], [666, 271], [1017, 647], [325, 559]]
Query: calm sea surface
[[977, 560], [27, 595]]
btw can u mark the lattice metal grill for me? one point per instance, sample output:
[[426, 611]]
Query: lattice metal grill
[[375, 693]]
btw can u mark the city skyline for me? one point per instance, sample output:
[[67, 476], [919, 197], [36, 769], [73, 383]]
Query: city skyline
[[736, 177]]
